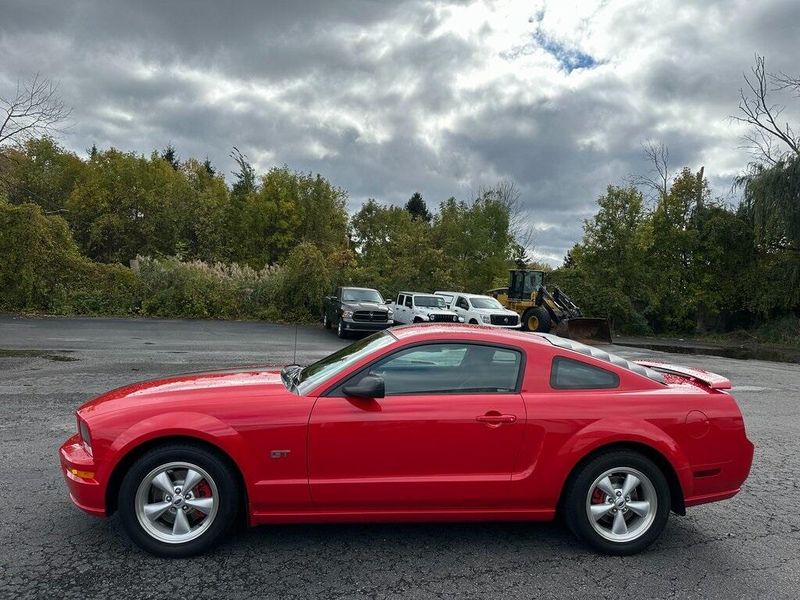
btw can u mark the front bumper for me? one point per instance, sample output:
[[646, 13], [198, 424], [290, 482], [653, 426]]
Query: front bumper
[[349, 325], [85, 491]]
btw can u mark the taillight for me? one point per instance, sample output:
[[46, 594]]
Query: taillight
[[86, 438]]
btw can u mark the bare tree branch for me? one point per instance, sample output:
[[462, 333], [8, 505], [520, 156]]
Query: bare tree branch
[[658, 178], [758, 111], [35, 109]]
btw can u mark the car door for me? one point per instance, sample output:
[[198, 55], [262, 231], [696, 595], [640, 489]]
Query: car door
[[446, 434], [461, 308]]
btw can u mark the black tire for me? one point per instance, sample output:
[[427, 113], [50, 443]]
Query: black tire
[[325, 321], [340, 330], [228, 499], [536, 318], [578, 503], [473, 322], [417, 320]]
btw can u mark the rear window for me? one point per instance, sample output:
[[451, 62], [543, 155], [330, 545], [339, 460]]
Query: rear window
[[568, 374]]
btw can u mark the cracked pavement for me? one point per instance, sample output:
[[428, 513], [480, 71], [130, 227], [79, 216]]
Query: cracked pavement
[[746, 547]]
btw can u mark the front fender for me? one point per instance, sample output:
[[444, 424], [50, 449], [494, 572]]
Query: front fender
[[195, 425], [610, 431]]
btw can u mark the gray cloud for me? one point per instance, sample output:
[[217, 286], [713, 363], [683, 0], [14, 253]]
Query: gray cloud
[[388, 98]]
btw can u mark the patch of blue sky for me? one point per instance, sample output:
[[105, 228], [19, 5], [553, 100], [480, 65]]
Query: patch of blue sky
[[568, 58]]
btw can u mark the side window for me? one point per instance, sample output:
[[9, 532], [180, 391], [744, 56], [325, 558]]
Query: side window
[[447, 369], [408, 301], [569, 374], [400, 299], [462, 303]]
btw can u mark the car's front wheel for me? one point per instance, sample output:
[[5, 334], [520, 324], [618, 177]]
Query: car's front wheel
[[178, 500], [340, 330], [618, 502]]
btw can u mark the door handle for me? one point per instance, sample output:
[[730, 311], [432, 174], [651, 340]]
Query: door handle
[[495, 418]]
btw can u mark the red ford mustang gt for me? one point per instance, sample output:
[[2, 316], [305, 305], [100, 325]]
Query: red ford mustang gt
[[415, 423]]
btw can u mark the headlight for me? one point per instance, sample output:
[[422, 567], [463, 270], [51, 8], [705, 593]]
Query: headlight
[[86, 438], [486, 319], [390, 313], [347, 314], [461, 319]]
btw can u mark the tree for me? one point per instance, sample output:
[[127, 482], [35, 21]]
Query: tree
[[476, 238], [171, 156], [42, 172], [34, 110], [417, 208], [125, 204], [769, 139], [658, 179], [245, 177]]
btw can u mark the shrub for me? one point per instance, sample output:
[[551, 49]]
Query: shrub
[[195, 289]]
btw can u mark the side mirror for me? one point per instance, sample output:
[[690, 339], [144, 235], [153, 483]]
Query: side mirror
[[370, 386]]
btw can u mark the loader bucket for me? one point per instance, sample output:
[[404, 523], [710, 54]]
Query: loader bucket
[[586, 329]]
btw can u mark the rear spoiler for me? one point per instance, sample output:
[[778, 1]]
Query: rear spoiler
[[712, 380]]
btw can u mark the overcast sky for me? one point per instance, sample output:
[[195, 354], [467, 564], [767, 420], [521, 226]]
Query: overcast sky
[[388, 98]]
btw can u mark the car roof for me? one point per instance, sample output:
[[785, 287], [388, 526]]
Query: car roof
[[352, 287], [433, 330], [416, 293], [492, 334]]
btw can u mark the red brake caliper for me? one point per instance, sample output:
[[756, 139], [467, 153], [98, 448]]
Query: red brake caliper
[[201, 490], [598, 496]]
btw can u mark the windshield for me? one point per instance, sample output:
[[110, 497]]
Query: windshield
[[479, 302], [350, 295], [429, 301], [316, 373]]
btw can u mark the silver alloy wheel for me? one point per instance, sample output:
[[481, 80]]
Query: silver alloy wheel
[[176, 502], [325, 320], [621, 504], [340, 329]]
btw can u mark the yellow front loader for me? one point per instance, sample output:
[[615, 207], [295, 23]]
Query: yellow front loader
[[545, 312]]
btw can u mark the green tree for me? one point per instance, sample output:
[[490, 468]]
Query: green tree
[[41, 172], [418, 209], [476, 239], [125, 204]]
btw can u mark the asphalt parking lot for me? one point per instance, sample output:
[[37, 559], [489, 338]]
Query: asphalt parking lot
[[747, 547]]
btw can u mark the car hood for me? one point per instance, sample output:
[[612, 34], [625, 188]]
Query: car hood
[[374, 306], [182, 387], [494, 311]]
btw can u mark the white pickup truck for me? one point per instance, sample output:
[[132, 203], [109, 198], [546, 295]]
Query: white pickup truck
[[481, 310], [419, 307]]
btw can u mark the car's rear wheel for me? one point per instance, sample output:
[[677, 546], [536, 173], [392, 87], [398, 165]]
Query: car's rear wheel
[[178, 500], [618, 502]]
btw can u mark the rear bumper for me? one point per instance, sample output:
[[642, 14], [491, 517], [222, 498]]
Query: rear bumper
[[348, 325], [721, 481], [85, 492]]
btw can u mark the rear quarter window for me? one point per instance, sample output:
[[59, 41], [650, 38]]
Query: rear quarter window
[[570, 374]]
